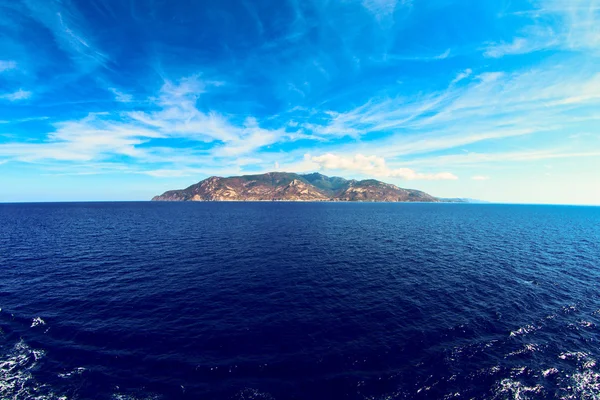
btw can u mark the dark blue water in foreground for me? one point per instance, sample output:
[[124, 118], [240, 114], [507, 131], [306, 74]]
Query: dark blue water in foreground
[[299, 301]]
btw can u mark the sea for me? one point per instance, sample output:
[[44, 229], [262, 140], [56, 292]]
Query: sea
[[281, 301]]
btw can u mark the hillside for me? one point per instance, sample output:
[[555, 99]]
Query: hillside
[[284, 186]]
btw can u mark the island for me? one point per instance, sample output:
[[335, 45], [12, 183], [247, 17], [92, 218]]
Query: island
[[284, 186]]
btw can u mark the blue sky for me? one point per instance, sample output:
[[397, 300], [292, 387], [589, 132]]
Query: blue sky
[[124, 99]]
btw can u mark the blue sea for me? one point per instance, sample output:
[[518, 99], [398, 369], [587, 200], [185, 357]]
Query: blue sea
[[299, 301]]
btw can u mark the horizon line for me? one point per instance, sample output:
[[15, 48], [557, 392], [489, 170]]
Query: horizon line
[[479, 202]]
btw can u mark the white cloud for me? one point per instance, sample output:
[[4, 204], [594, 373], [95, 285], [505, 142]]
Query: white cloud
[[180, 117], [177, 114], [16, 96], [250, 139], [372, 166], [473, 158], [120, 96], [422, 57], [68, 28], [443, 56], [21, 120], [517, 46], [380, 8], [367, 164], [491, 106], [463, 75], [554, 24], [6, 65], [172, 173], [480, 178], [100, 136]]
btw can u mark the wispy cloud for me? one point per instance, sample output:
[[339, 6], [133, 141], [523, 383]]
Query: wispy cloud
[[16, 96], [68, 26], [380, 8], [21, 120], [100, 136], [120, 96], [519, 45], [554, 24], [418, 57], [178, 116], [479, 158], [173, 173], [461, 76], [443, 56], [373, 166], [6, 65], [480, 178], [491, 106]]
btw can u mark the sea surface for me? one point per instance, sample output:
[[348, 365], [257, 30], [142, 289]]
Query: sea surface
[[299, 301]]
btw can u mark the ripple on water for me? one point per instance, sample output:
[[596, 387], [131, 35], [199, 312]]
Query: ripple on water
[[399, 298]]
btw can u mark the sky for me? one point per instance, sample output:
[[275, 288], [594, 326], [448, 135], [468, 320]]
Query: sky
[[496, 100]]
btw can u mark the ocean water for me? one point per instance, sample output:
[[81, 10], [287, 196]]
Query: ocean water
[[299, 301]]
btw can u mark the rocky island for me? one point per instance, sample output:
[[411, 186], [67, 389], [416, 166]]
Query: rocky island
[[283, 186]]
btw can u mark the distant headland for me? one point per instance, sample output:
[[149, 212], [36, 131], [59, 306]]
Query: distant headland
[[284, 186]]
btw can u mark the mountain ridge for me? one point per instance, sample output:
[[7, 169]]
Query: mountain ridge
[[288, 186]]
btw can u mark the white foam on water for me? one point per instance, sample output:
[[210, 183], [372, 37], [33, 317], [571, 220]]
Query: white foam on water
[[586, 324], [479, 373], [589, 364], [37, 321], [494, 370], [426, 388], [75, 372], [585, 385], [511, 389], [452, 395], [16, 380], [528, 348], [548, 372], [517, 371], [524, 330], [252, 394], [120, 396], [459, 351], [569, 309], [573, 355]]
